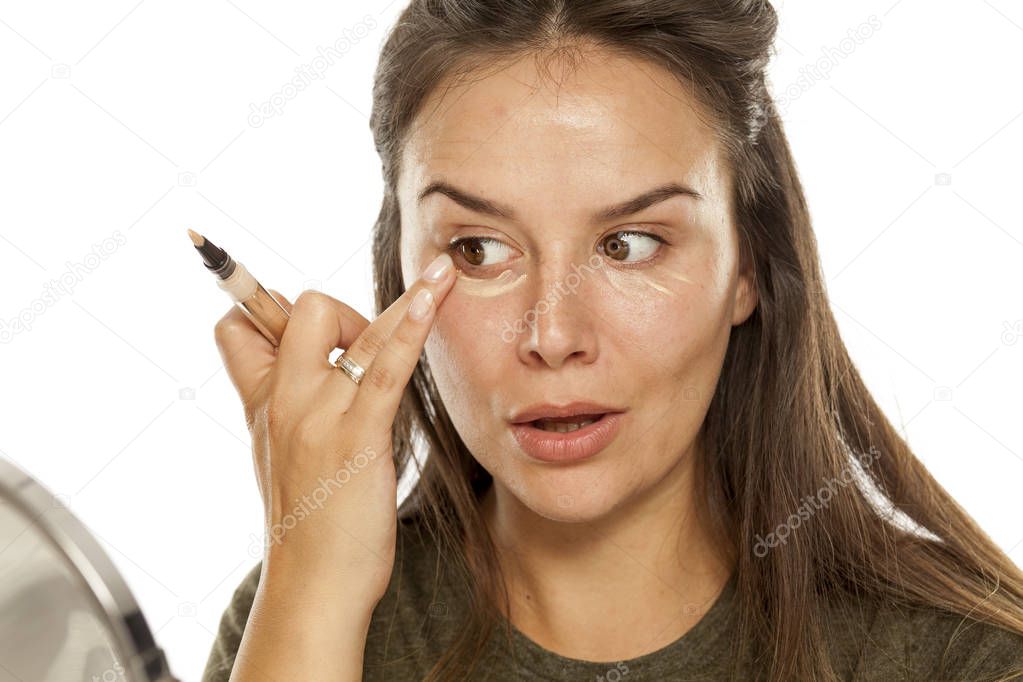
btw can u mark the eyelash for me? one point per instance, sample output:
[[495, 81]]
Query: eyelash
[[453, 245]]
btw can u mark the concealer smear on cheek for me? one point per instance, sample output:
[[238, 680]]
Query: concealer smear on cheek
[[634, 283], [487, 288]]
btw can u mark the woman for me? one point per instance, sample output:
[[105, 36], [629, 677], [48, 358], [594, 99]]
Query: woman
[[631, 245]]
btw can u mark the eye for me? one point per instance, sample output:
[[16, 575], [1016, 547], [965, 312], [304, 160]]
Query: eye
[[473, 249], [620, 245]]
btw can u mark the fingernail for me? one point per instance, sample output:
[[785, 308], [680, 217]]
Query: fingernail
[[420, 304], [436, 270]]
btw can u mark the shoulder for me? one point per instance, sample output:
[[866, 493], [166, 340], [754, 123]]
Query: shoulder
[[406, 620], [904, 643]]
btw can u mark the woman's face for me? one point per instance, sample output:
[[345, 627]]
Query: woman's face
[[559, 300]]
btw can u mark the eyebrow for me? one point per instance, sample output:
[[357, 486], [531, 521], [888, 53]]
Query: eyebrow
[[619, 210]]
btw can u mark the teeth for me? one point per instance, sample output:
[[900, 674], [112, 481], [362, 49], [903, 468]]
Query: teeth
[[562, 427]]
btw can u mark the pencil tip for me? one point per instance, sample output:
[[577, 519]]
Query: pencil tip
[[196, 238]]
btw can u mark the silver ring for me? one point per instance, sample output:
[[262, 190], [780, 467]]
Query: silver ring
[[353, 369]]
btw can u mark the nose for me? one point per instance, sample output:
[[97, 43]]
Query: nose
[[560, 326]]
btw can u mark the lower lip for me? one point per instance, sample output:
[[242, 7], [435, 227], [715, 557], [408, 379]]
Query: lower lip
[[551, 446]]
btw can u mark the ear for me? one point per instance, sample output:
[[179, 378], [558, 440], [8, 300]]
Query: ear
[[746, 298]]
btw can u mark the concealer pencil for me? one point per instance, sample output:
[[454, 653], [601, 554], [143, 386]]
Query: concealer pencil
[[257, 303]]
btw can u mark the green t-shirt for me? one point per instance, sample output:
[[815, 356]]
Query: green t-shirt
[[407, 633]]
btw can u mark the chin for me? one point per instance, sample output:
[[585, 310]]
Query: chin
[[568, 497]]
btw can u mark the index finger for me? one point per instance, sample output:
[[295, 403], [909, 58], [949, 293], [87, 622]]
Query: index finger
[[321, 323], [374, 338], [392, 366]]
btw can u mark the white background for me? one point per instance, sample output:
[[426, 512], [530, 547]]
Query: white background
[[134, 117]]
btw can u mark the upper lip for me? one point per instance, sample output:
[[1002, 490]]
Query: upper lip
[[550, 410]]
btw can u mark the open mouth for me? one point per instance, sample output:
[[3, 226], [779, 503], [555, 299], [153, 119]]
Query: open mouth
[[566, 424], [567, 439]]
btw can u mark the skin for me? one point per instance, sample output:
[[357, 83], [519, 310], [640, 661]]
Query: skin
[[605, 558]]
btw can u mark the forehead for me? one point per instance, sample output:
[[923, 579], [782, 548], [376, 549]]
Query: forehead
[[603, 122]]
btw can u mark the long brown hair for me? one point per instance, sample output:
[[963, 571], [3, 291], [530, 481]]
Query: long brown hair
[[790, 411]]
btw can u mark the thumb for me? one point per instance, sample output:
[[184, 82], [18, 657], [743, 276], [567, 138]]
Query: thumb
[[246, 354]]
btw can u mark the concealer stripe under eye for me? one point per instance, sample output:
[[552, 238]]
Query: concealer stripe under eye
[[495, 286], [633, 283]]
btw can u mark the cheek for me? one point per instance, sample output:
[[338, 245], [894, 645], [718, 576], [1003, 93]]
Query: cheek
[[470, 338], [469, 361], [661, 312], [483, 312]]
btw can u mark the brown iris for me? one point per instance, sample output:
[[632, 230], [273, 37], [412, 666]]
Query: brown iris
[[472, 250], [616, 247]]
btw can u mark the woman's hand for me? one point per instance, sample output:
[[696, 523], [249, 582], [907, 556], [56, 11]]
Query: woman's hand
[[321, 444]]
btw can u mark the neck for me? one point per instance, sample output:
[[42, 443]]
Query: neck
[[611, 588]]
